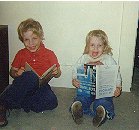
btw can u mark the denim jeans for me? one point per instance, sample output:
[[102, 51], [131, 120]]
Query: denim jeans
[[106, 102], [25, 93]]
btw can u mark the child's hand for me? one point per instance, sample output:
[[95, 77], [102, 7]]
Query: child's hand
[[20, 71], [117, 92], [56, 72], [96, 63], [75, 83]]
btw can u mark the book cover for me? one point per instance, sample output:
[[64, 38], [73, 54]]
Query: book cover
[[86, 74], [46, 76], [97, 80]]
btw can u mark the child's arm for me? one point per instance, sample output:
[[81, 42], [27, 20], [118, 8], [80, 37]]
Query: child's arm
[[15, 72], [75, 83], [96, 63]]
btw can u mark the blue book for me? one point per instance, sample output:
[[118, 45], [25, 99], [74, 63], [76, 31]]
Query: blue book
[[86, 74]]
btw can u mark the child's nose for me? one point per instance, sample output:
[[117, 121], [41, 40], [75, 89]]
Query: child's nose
[[31, 42], [96, 48]]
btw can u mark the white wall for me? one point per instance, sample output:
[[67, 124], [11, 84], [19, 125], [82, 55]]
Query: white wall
[[66, 25], [128, 39]]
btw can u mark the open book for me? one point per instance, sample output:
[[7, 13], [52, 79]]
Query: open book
[[46, 76], [98, 81]]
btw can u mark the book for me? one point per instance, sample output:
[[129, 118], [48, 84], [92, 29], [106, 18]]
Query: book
[[98, 81], [46, 76]]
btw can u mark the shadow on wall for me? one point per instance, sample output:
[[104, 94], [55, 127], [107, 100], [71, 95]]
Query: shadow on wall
[[135, 78]]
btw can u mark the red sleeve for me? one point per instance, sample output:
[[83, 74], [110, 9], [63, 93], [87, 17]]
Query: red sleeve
[[53, 59], [18, 62]]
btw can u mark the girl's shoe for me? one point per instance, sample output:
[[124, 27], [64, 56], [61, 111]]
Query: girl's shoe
[[77, 112], [100, 116], [3, 119]]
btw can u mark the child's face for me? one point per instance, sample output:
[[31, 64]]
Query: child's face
[[96, 47], [31, 41]]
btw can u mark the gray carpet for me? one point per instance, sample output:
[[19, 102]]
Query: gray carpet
[[126, 109]]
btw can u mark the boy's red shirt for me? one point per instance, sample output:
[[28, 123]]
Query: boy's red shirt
[[40, 60]]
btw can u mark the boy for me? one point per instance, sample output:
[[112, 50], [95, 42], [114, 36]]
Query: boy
[[25, 91]]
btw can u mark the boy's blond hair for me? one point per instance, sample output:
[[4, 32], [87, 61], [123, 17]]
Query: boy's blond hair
[[30, 25], [102, 35]]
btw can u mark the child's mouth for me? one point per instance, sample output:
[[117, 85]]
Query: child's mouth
[[32, 48], [94, 54]]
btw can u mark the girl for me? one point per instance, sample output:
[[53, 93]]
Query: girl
[[97, 52]]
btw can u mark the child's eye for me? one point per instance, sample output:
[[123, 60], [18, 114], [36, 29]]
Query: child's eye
[[35, 38], [100, 45], [25, 40]]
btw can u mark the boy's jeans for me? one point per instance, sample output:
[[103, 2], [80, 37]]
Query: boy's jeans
[[107, 103], [25, 93]]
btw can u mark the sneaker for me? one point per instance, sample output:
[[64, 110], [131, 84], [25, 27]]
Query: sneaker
[[77, 112], [3, 119], [100, 116]]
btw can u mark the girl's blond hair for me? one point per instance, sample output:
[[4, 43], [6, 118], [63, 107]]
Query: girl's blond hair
[[102, 35], [30, 25]]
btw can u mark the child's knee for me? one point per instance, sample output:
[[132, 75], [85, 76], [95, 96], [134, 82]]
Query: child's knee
[[107, 104]]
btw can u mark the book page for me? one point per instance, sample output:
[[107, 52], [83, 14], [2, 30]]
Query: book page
[[47, 75], [106, 77], [48, 72], [29, 68]]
